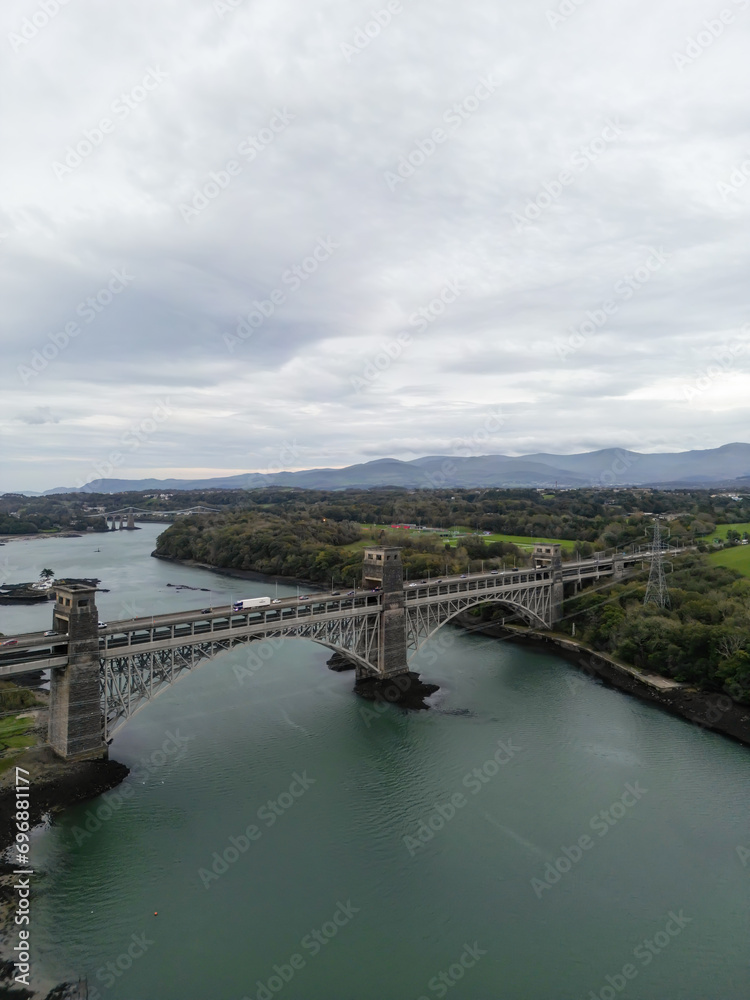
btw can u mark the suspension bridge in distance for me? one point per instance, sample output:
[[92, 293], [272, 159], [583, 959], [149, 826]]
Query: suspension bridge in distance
[[124, 519]]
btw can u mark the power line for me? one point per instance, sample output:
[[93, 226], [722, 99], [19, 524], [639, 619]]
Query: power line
[[657, 592]]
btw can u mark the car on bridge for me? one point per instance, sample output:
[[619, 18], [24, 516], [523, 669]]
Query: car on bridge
[[9, 642]]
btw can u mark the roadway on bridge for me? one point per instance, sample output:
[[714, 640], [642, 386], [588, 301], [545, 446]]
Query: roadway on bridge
[[35, 650], [18, 648]]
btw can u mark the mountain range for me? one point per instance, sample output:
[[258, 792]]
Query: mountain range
[[728, 466]]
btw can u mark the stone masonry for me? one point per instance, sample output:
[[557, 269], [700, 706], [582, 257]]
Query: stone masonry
[[75, 719], [383, 569]]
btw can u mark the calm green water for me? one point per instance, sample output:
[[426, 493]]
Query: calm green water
[[335, 892]]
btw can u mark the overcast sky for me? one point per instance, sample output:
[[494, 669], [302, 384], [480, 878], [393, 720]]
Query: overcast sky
[[558, 187]]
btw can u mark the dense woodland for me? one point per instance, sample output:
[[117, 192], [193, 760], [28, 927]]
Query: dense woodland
[[313, 549], [601, 518], [310, 534], [702, 639], [20, 515], [319, 536]]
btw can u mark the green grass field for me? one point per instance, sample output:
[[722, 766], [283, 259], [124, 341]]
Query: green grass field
[[14, 735], [737, 557], [722, 529], [524, 540], [520, 540]]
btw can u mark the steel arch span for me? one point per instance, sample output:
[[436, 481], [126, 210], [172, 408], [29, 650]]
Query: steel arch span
[[423, 621], [130, 682]]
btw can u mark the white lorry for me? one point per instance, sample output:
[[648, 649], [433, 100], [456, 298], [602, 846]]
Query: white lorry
[[252, 602]]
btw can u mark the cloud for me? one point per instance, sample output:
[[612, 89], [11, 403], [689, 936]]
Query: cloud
[[39, 415], [210, 155]]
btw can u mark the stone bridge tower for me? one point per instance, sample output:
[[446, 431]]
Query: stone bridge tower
[[383, 568], [549, 556], [75, 717]]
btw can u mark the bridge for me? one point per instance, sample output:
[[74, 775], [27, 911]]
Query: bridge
[[99, 677], [124, 519]]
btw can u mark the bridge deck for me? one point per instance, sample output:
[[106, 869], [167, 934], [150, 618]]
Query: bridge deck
[[35, 651]]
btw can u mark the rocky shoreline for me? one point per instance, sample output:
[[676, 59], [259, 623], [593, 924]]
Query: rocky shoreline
[[239, 574], [39, 534], [55, 785], [24, 593], [710, 710]]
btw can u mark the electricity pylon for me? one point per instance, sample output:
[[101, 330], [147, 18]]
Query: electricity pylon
[[657, 591]]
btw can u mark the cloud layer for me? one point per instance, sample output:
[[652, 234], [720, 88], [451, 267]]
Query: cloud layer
[[250, 233]]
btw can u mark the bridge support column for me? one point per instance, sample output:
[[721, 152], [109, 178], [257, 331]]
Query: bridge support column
[[75, 712], [618, 565], [383, 568], [557, 593], [549, 556]]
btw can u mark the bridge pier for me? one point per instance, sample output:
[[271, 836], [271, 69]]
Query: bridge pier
[[550, 557], [383, 569], [75, 712], [393, 682]]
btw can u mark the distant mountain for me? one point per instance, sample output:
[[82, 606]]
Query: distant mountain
[[726, 466]]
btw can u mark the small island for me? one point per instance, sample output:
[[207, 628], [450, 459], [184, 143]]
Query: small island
[[33, 593]]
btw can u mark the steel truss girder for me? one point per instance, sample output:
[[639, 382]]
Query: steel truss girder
[[133, 679], [424, 619]]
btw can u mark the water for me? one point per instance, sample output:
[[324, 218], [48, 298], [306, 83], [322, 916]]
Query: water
[[342, 858]]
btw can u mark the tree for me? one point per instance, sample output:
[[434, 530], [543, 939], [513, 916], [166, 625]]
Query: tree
[[47, 574]]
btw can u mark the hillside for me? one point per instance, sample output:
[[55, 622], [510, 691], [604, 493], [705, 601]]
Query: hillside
[[728, 466], [703, 638]]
